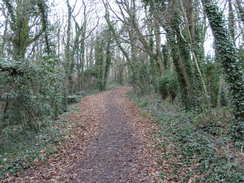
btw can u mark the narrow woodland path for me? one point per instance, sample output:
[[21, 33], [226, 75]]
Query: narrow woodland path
[[110, 143]]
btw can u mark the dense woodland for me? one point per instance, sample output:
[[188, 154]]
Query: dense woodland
[[48, 59]]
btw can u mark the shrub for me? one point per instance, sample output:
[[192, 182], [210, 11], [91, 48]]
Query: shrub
[[32, 91], [168, 85]]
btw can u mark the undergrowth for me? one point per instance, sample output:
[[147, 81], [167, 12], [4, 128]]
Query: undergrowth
[[195, 147], [22, 148]]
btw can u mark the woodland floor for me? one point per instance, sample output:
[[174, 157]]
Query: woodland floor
[[110, 142]]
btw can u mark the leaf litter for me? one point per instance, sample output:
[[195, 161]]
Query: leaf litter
[[110, 142]]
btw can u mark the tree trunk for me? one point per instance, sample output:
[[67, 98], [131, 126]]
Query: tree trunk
[[186, 89], [231, 21], [240, 9], [228, 56], [107, 65]]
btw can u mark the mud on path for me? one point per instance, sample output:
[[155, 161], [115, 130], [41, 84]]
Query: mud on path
[[110, 143]]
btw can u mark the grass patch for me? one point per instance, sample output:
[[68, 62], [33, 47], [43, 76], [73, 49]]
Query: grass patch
[[195, 147]]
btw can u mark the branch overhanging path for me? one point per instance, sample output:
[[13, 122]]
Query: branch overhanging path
[[110, 143]]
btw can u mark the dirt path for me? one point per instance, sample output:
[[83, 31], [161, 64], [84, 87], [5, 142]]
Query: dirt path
[[110, 144]]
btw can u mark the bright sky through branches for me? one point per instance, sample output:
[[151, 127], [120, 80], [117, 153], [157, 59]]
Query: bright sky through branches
[[98, 11]]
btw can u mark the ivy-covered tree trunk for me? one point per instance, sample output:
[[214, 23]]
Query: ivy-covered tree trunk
[[228, 56], [99, 63], [181, 56], [231, 21], [107, 61], [154, 66], [20, 24], [67, 58], [180, 70], [166, 56]]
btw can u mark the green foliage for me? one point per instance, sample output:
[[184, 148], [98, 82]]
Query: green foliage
[[214, 121], [112, 85], [190, 151], [32, 91], [141, 78], [168, 85], [103, 58], [73, 99], [228, 56], [212, 72], [21, 148]]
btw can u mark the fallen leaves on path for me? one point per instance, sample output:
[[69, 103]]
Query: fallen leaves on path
[[110, 141], [84, 125]]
